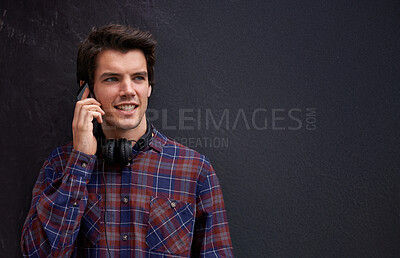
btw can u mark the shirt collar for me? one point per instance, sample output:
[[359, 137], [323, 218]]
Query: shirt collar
[[158, 140]]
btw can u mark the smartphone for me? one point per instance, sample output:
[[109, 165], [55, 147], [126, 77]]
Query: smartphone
[[82, 90], [79, 97]]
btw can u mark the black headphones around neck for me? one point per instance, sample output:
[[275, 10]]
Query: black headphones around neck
[[119, 151]]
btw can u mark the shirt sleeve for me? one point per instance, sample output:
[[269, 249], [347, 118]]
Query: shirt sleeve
[[211, 233], [58, 201]]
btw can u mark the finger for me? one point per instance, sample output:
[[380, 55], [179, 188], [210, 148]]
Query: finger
[[87, 114], [96, 108], [88, 101], [82, 103], [87, 121], [96, 115]]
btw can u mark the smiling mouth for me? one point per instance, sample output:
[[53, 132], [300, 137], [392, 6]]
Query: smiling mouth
[[126, 107]]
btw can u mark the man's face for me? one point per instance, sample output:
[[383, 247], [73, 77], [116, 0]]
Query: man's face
[[121, 86]]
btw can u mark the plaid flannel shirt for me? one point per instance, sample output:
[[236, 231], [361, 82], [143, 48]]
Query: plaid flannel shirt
[[167, 203]]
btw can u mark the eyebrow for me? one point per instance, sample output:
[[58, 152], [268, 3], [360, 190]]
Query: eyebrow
[[140, 73], [117, 74], [108, 74]]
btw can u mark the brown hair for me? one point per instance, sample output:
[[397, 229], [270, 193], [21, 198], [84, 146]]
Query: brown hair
[[116, 37]]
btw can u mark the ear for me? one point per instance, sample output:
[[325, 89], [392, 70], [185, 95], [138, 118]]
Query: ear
[[149, 91]]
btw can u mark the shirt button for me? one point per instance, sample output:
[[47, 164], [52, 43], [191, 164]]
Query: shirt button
[[125, 237], [75, 204], [125, 199], [173, 204], [84, 165]]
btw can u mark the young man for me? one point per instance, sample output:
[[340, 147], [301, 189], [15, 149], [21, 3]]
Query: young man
[[141, 195]]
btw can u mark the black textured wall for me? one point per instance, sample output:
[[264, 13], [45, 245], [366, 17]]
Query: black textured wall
[[295, 103]]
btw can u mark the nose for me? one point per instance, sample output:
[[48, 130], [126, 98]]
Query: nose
[[127, 88]]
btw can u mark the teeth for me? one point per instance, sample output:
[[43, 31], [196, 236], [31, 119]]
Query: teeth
[[127, 107]]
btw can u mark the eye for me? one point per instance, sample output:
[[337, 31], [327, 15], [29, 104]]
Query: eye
[[139, 78], [111, 79]]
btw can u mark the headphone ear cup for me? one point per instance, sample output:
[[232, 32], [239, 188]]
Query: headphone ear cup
[[108, 151], [125, 151]]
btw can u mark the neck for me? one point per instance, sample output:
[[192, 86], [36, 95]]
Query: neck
[[111, 132]]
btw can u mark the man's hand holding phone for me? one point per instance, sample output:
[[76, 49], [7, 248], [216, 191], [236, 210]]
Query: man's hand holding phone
[[86, 109]]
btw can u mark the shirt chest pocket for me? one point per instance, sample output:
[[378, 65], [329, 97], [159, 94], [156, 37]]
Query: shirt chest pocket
[[170, 227]]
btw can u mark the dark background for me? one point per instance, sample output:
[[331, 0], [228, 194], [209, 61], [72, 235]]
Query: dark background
[[307, 92]]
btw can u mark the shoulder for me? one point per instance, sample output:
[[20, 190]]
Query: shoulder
[[168, 146], [184, 151], [171, 149]]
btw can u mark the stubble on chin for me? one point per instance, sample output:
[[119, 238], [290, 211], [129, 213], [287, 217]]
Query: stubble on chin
[[111, 124]]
